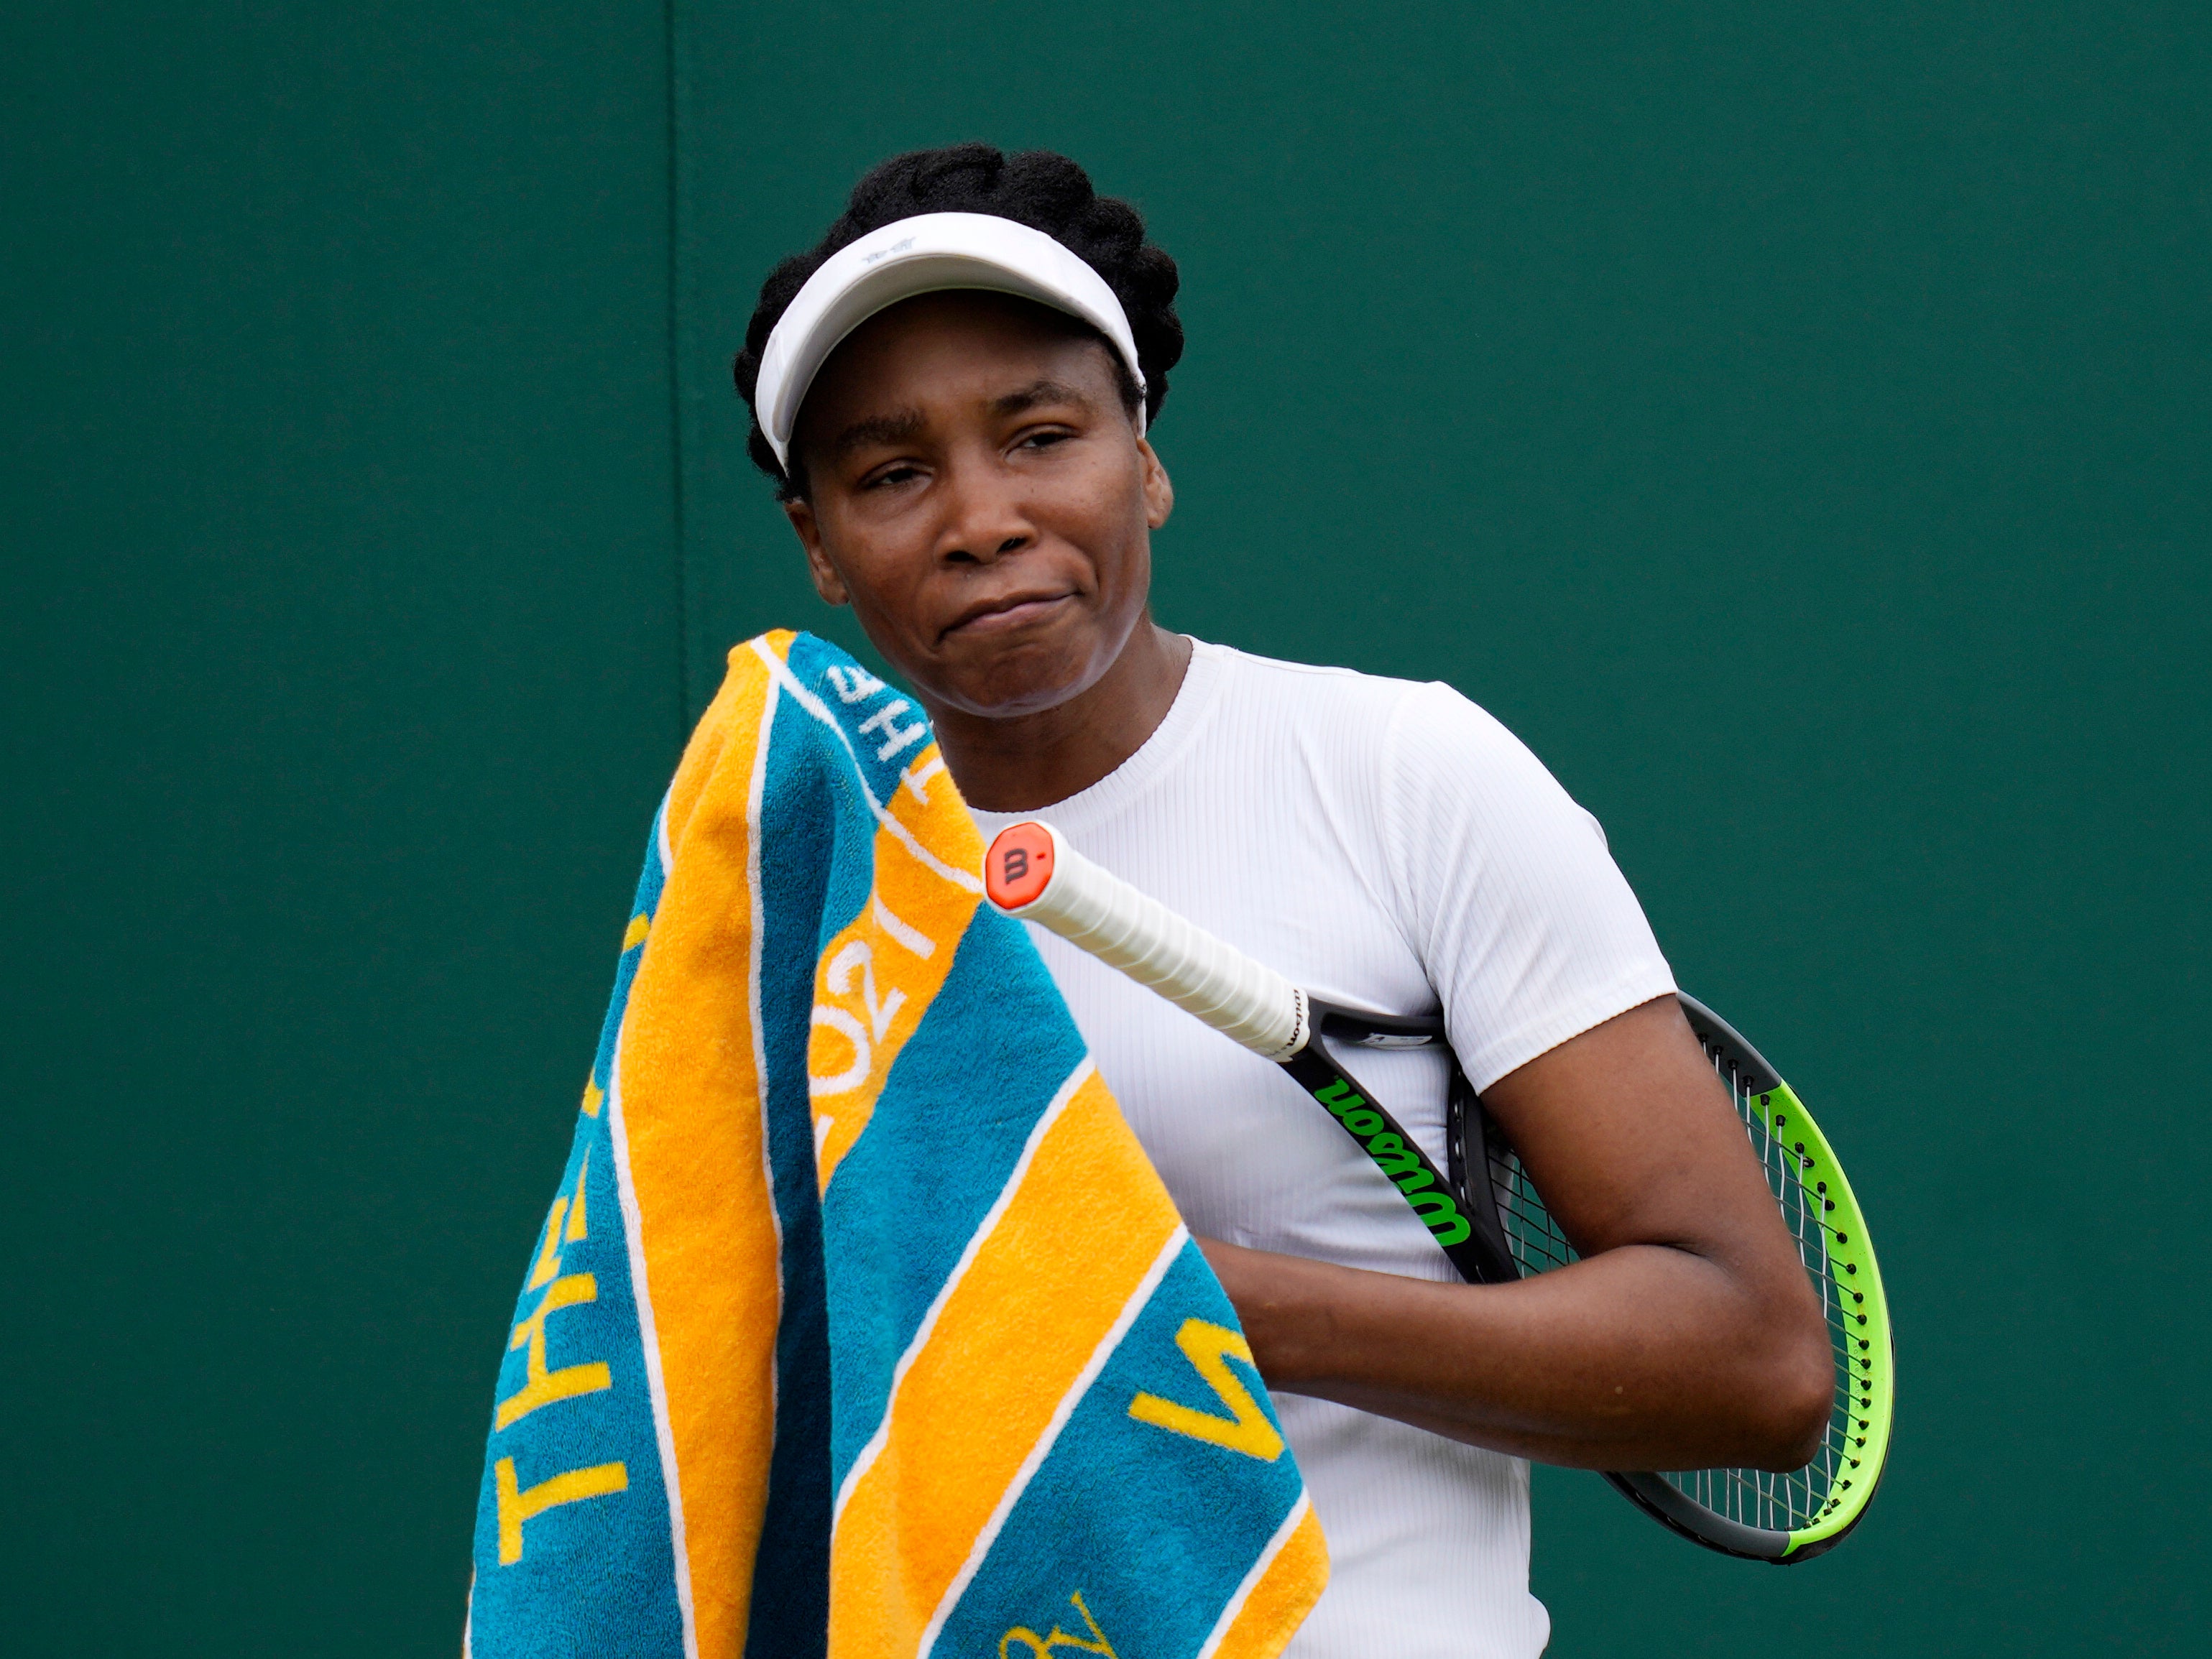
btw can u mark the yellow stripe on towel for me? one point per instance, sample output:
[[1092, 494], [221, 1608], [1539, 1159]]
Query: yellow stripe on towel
[[877, 977], [696, 1165], [1011, 1339], [1278, 1603]]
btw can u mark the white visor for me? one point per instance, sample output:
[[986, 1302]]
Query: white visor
[[924, 255]]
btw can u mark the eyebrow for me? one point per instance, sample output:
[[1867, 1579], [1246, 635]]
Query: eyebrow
[[899, 427], [1039, 392]]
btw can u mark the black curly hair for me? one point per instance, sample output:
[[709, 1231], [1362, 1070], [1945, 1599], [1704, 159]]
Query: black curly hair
[[1039, 188]]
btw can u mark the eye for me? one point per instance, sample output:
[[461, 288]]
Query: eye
[[897, 472], [1045, 438]]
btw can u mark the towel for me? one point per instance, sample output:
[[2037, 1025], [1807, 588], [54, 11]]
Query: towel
[[859, 1325]]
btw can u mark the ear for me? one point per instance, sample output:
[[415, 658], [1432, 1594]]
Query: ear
[[1159, 493], [827, 582]]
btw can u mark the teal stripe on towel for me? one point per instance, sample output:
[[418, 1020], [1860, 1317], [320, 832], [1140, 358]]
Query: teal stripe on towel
[[945, 1138], [791, 1574]]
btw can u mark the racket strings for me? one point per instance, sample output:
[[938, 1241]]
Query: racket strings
[[1780, 1501]]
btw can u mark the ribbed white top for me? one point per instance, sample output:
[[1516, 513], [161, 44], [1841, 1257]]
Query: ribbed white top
[[1389, 846]]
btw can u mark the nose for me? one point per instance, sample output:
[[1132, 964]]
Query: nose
[[985, 516]]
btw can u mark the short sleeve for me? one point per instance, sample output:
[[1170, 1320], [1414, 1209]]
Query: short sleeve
[[1526, 927]]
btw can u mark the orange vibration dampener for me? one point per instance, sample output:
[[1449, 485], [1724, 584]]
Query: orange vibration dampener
[[1019, 867]]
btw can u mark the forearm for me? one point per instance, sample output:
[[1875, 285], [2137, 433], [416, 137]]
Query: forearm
[[1643, 1357]]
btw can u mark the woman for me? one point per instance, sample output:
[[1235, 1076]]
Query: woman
[[953, 391]]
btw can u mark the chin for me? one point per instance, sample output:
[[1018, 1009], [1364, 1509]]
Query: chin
[[1020, 677]]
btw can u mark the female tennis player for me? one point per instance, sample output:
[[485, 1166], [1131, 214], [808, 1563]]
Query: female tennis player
[[953, 391]]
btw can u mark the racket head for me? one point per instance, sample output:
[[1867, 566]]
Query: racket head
[[1789, 1517]]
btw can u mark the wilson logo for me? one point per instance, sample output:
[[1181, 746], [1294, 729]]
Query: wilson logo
[[1408, 1170]]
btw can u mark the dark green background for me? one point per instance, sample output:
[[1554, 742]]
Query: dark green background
[[1792, 420]]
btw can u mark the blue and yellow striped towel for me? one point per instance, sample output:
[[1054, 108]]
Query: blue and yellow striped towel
[[860, 1326]]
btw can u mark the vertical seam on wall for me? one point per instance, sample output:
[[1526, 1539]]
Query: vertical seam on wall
[[675, 336]]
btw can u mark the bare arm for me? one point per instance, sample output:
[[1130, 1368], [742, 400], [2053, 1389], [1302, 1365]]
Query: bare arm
[[1687, 1337]]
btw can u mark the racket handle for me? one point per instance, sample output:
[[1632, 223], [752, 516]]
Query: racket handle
[[1032, 872]]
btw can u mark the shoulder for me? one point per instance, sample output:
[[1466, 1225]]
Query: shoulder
[[1396, 727], [1438, 737], [1443, 780], [1342, 699]]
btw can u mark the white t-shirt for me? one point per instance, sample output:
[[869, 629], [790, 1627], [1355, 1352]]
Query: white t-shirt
[[1389, 847]]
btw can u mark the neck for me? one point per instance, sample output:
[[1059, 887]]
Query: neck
[[1033, 761]]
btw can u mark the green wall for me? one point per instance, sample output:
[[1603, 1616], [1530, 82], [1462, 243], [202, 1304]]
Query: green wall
[[1794, 423], [341, 602]]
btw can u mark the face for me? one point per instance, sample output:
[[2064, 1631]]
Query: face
[[977, 493]]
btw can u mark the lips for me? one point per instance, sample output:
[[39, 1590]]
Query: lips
[[1010, 611]]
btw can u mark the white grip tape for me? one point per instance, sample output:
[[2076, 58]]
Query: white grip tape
[[1096, 911]]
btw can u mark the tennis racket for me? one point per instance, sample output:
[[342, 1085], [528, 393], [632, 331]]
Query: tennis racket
[[1485, 1211]]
